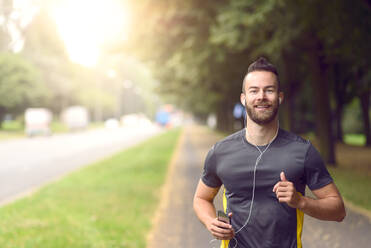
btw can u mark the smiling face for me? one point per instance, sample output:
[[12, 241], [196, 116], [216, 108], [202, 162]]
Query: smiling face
[[261, 97]]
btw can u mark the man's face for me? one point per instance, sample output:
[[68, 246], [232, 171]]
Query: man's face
[[261, 96]]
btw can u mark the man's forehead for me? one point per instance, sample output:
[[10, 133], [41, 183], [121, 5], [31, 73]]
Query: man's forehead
[[261, 85], [260, 79]]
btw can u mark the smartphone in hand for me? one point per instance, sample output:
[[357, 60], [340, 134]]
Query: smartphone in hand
[[223, 217]]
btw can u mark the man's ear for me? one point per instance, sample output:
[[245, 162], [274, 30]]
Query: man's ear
[[280, 97], [243, 99]]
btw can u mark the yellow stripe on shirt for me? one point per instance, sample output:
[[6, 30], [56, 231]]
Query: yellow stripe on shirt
[[299, 226], [224, 243]]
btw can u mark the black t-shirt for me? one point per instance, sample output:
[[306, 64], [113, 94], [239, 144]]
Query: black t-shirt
[[231, 163]]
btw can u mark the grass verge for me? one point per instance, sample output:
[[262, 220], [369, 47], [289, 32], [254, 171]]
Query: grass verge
[[355, 139], [4, 135], [353, 185], [107, 204], [352, 175]]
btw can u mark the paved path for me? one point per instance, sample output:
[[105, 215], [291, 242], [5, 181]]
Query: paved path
[[176, 225]]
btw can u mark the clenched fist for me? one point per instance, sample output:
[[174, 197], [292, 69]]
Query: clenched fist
[[286, 192]]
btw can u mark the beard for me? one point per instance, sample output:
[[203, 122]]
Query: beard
[[263, 117]]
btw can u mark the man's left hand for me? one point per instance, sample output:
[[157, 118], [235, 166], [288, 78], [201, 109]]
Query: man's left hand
[[286, 192]]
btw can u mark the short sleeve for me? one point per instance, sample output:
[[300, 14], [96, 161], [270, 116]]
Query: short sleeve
[[209, 176], [316, 173]]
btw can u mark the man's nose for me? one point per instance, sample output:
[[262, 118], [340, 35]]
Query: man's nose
[[261, 94]]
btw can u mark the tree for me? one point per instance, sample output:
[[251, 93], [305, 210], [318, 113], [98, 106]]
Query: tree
[[20, 85], [317, 32], [5, 12], [177, 35], [45, 48], [201, 50]]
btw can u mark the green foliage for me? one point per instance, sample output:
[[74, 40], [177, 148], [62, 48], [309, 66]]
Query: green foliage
[[73, 84], [108, 204], [352, 185], [200, 50], [69, 83], [58, 127], [20, 84], [188, 65], [12, 126], [352, 117], [355, 139], [45, 48], [11, 135], [42, 37]]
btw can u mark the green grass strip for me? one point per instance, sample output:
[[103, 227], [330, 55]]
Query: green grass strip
[[4, 135], [353, 186], [107, 204], [355, 139]]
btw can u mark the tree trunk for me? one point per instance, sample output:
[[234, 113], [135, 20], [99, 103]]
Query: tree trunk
[[365, 103], [322, 102], [290, 57], [339, 117], [285, 116], [288, 107], [224, 116], [339, 89], [2, 115]]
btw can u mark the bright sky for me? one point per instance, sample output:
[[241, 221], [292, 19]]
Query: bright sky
[[86, 25], [23, 11]]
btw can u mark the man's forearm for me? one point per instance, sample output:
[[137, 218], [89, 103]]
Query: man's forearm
[[330, 208], [328, 205], [204, 209]]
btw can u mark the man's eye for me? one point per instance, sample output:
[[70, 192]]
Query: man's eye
[[253, 91]]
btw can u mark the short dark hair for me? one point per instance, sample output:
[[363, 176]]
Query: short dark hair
[[261, 64]]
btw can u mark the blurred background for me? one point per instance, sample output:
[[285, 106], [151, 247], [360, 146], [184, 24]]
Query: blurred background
[[152, 60]]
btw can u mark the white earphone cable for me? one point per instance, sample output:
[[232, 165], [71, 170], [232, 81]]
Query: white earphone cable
[[254, 183], [253, 189]]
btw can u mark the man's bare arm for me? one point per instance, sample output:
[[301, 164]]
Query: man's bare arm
[[203, 204], [328, 206]]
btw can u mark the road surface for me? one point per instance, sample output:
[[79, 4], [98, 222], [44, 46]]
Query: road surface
[[26, 164]]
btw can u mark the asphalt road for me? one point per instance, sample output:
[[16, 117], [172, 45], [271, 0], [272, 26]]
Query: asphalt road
[[26, 164]]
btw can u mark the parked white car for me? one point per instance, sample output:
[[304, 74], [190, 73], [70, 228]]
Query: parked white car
[[75, 117], [112, 123], [135, 120], [37, 121]]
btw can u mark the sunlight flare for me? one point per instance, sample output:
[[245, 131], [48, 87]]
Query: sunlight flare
[[87, 25]]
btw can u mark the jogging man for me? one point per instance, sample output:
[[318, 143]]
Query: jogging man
[[264, 170]]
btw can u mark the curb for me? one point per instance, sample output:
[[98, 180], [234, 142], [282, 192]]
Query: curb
[[164, 192]]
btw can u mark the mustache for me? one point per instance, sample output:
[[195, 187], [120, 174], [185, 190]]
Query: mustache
[[263, 102]]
